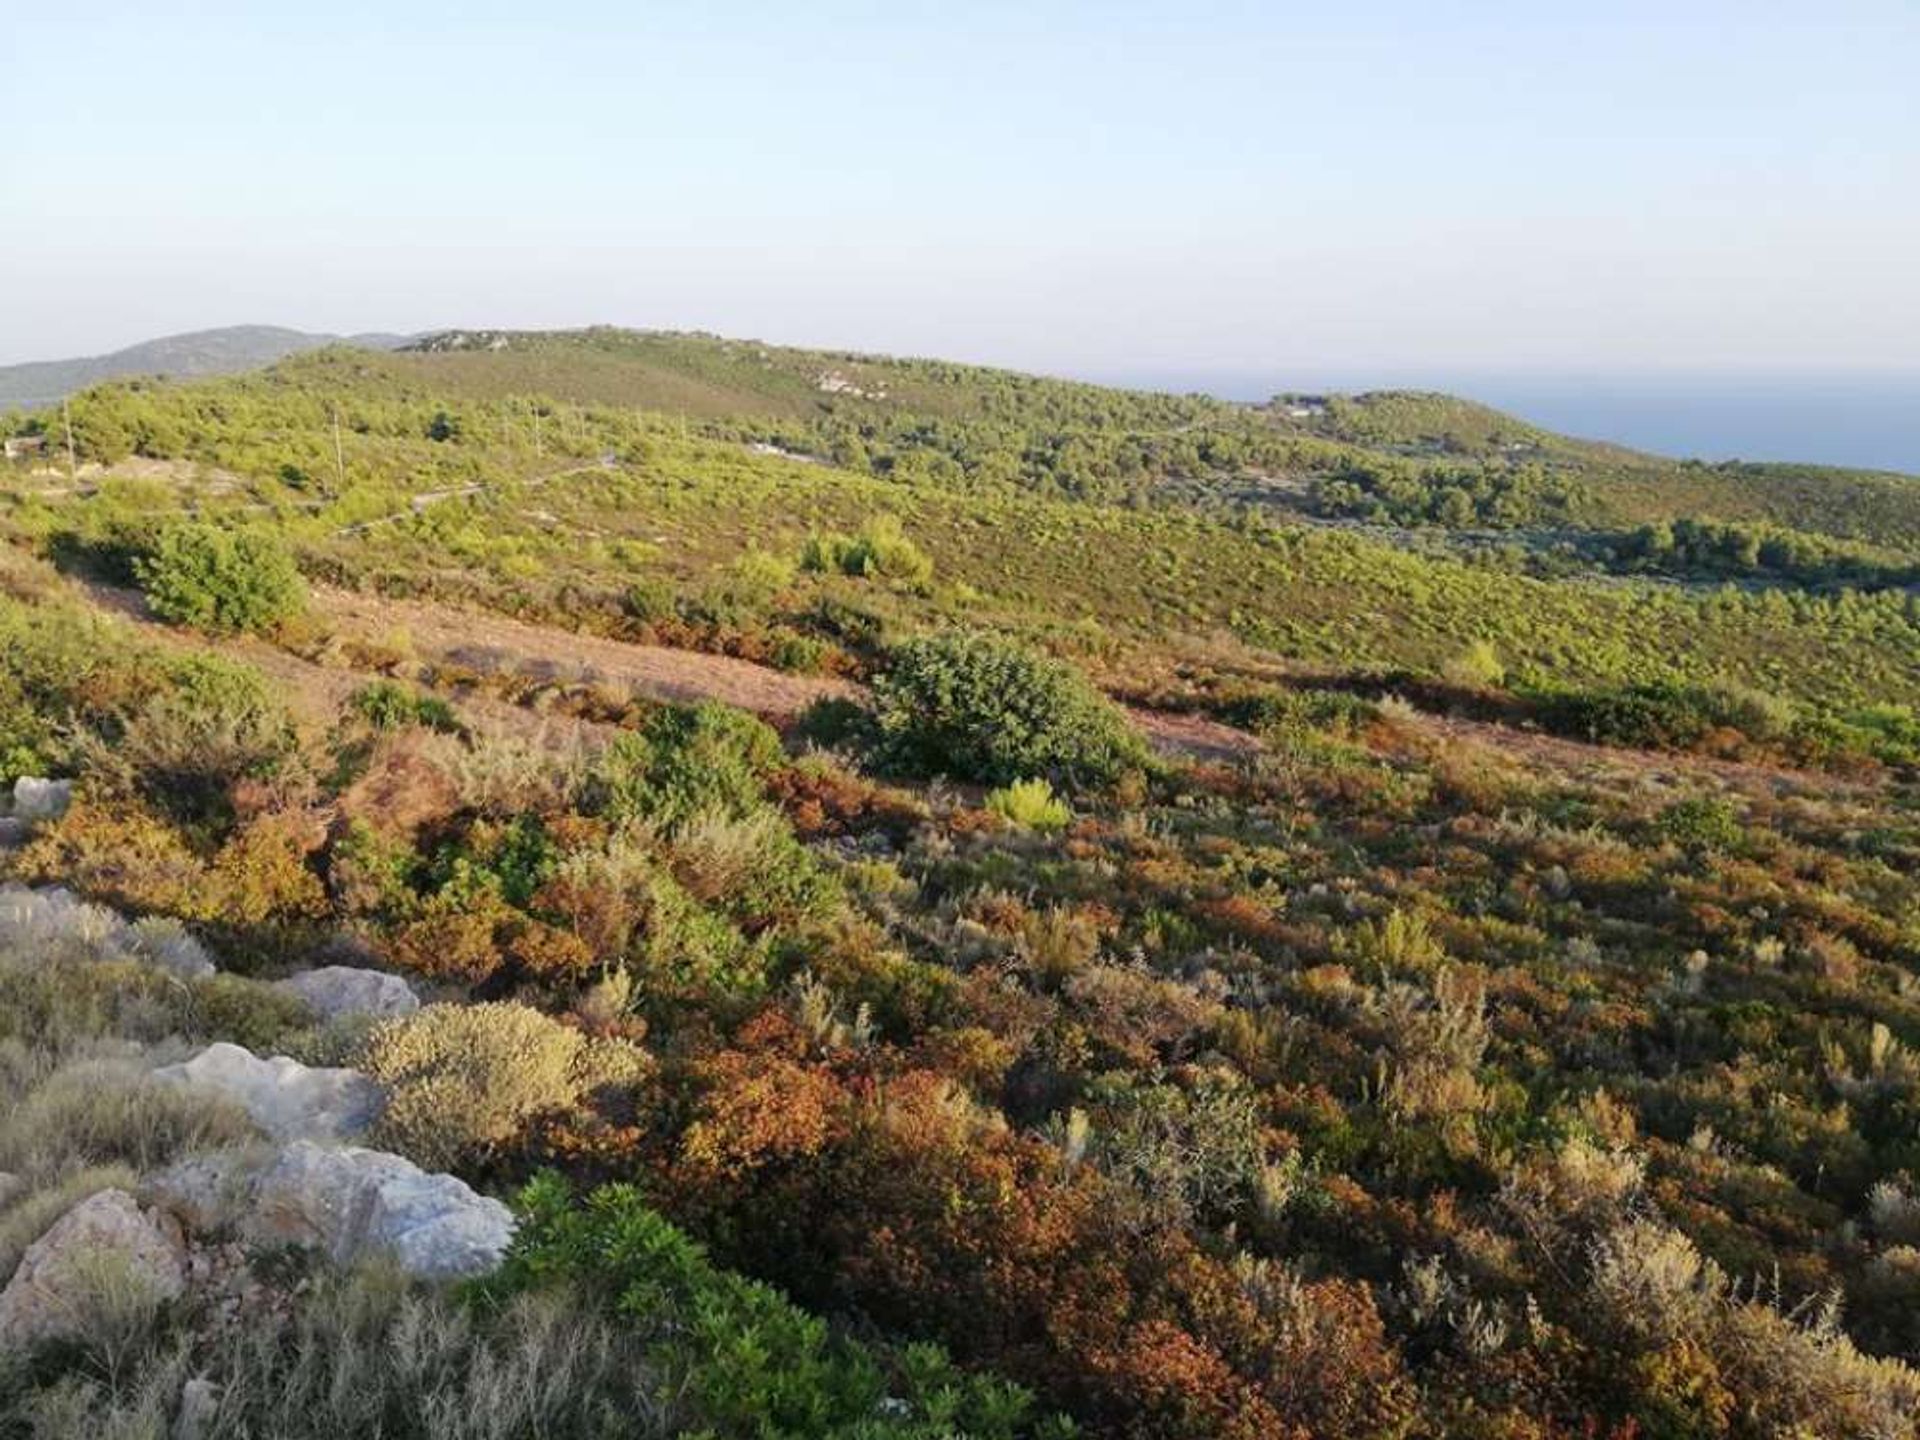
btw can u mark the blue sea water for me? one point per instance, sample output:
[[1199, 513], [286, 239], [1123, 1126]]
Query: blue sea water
[[1868, 421], [1873, 423]]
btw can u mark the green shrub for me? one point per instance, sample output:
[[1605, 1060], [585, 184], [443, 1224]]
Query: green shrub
[[1030, 805], [215, 722], [221, 580], [687, 759], [981, 707], [649, 600], [756, 1367], [1702, 823], [797, 654], [753, 868], [746, 591], [1665, 715], [880, 551], [463, 1080], [1289, 713], [220, 722], [1478, 667], [833, 722], [387, 706]]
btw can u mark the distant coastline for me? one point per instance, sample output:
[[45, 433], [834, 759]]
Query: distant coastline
[[1869, 421]]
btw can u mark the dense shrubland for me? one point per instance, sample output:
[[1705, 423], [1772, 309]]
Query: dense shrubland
[[1520, 1044], [1703, 548], [1373, 1090]]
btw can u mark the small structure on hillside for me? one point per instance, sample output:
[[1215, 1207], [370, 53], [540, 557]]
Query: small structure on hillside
[[20, 447]]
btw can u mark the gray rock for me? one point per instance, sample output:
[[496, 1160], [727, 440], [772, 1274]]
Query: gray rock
[[38, 801], [288, 1100], [355, 1203], [105, 1245], [13, 832], [206, 1192], [337, 991], [349, 1203]]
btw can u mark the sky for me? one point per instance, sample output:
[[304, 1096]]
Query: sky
[[1348, 190]]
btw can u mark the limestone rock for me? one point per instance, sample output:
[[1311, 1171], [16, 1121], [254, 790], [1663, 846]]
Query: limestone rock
[[105, 1245], [288, 1100], [355, 1203], [205, 1192], [38, 801], [334, 991]]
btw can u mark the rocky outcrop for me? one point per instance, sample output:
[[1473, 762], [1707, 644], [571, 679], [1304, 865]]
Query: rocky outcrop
[[336, 992], [288, 1100], [38, 802], [350, 1203], [106, 1246], [354, 1203], [207, 1193]]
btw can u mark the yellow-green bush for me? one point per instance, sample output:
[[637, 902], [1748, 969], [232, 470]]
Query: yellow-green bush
[[462, 1081]]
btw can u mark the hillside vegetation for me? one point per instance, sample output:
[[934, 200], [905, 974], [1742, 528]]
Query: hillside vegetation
[[1186, 937], [203, 352]]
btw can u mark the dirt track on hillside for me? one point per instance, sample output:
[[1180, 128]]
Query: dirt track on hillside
[[490, 642], [487, 641]]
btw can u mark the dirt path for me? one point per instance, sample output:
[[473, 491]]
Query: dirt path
[[1588, 758], [1194, 736], [490, 642], [483, 640], [313, 691]]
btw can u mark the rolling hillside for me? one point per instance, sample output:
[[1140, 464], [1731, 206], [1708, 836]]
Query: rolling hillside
[[906, 900], [189, 356]]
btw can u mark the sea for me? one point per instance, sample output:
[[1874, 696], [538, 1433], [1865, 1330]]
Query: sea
[[1865, 421]]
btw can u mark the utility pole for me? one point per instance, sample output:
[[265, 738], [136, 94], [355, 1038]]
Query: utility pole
[[73, 463], [339, 451]]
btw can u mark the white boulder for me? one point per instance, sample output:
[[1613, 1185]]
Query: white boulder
[[288, 1100], [105, 1250], [352, 1204], [206, 1192], [336, 991], [356, 1203], [38, 801]]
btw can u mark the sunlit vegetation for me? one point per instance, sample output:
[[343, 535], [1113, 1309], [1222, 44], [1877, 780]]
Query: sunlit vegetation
[[1514, 1035]]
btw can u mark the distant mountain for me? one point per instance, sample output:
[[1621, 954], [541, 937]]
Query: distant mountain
[[202, 352]]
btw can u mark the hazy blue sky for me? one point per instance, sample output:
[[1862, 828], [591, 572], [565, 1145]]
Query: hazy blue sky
[[1338, 189]]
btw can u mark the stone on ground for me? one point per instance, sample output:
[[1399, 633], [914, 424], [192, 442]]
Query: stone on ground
[[288, 1100], [106, 1252], [337, 991], [356, 1203]]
